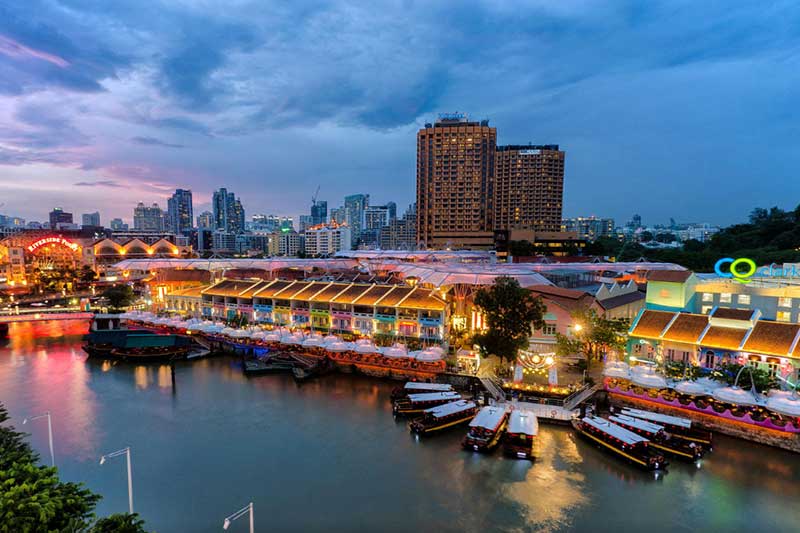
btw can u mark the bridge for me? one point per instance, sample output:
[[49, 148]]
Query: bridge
[[40, 316]]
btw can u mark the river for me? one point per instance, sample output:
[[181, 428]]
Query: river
[[328, 456]]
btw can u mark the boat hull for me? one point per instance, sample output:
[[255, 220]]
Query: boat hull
[[641, 462]]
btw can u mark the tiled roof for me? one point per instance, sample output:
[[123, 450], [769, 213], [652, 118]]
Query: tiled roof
[[733, 314], [423, 299], [309, 290], [572, 294], [350, 294], [673, 276], [771, 337], [329, 292], [651, 323], [273, 289], [686, 328], [725, 338], [622, 299], [395, 297], [191, 292], [375, 293], [229, 287], [249, 292]]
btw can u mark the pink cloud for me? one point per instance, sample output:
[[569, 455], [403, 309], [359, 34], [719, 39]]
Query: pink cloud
[[12, 48]]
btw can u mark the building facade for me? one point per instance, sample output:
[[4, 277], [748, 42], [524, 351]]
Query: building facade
[[148, 218], [179, 211], [228, 213], [327, 239], [58, 217], [589, 228], [90, 219]]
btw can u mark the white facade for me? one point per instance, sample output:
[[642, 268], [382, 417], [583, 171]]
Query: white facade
[[327, 240]]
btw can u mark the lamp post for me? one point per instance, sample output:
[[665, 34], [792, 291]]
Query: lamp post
[[127, 452], [238, 514], [46, 414]]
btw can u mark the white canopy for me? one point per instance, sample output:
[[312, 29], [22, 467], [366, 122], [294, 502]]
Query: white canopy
[[735, 395], [649, 379]]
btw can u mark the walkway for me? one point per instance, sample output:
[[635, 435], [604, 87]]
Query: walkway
[[547, 413], [39, 316]]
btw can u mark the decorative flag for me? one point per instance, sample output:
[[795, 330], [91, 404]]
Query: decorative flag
[[552, 376], [518, 373]]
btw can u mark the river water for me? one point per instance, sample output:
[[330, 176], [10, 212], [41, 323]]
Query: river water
[[328, 456]]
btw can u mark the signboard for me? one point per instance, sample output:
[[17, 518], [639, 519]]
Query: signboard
[[530, 152], [53, 240]]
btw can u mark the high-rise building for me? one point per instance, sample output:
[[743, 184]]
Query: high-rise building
[[319, 212], [401, 233], [455, 169], [327, 239], [391, 208], [90, 219], [179, 212], [355, 206], [290, 243], [375, 217], [205, 220], [528, 187], [589, 228], [148, 218], [228, 212], [118, 225], [59, 216]]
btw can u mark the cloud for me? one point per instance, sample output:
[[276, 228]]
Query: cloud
[[11, 48], [99, 183], [152, 141]]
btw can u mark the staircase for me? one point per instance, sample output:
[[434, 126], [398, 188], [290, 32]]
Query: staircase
[[493, 389], [571, 402]]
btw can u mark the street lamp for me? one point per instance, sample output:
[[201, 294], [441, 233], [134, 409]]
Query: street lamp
[[241, 512], [127, 452], [49, 432]]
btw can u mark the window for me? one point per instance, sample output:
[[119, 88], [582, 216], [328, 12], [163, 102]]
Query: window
[[706, 309], [549, 329], [708, 297], [671, 354], [784, 302], [743, 299], [783, 316], [724, 297]]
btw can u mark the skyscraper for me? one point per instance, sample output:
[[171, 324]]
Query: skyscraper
[[118, 225], [528, 187], [356, 205], [59, 216], [319, 212], [148, 218], [90, 219], [205, 220], [228, 212], [179, 210], [455, 169]]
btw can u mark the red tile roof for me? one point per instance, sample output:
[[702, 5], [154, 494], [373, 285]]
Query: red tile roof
[[651, 323], [725, 338], [686, 328], [672, 276], [774, 338]]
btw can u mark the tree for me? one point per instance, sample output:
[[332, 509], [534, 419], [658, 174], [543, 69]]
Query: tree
[[119, 523], [119, 296], [87, 275], [511, 311], [594, 335]]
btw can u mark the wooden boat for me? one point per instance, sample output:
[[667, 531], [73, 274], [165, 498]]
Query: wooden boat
[[137, 345], [417, 387], [521, 438], [268, 365], [443, 416], [320, 367], [678, 427], [659, 438], [417, 403], [619, 441], [486, 429]]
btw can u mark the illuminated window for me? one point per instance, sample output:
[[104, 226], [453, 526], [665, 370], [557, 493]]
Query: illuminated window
[[549, 329], [743, 299], [706, 309], [783, 316], [708, 297], [784, 302], [725, 298]]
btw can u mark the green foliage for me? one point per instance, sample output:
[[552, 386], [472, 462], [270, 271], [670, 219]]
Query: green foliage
[[597, 336], [679, 370], [119, 296], [34, 500], [727, 372], [87, 275], [511, 311]]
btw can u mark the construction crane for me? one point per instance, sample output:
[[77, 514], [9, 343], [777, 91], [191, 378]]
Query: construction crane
[[313, 198]]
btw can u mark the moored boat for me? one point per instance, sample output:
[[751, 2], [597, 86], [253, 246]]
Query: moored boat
[[417, 403], [267, 365], [417, 387], [486, 429], [620, 441], [659, 438], [443, 416], [521, 438], [679, 427], [137, 345]]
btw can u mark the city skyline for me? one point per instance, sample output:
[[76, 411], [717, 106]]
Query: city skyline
[[86, 114]]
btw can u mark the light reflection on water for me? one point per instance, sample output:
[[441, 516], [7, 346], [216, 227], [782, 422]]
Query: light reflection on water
[[327, 455]]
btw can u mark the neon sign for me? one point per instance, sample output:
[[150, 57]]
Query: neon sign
[[742, 269], [53, 240]]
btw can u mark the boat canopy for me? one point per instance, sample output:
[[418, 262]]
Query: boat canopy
[[638, 423], [450, 408], [628, 437], [735, 395], [489, 417], [658, 417], [522, 421], [433, 396], [433, 387]]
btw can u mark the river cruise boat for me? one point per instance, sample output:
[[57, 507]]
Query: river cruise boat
[[416, 403], [659, 438], [621, 442], [486, 429], [418, 387], [137, 345], [443, 416], [677, 426], [521, 438]]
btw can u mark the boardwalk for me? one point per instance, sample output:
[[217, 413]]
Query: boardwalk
[[42, 315]]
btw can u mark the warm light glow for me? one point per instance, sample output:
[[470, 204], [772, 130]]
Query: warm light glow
[[150, 251], [577, 327]]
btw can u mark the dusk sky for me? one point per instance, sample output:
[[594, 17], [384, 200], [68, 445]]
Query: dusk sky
[[677, 108]]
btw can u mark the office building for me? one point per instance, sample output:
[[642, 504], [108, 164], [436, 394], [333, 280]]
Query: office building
[[327, 239], [205, 220], [400, 233], [528, 187], [375, 218], [179, 211], [229, 214], [319, 212], [90, 219], [148, 218], [589, 228], [356, 206], [117, 224], [290, 243], [455, 169], [59, 216]]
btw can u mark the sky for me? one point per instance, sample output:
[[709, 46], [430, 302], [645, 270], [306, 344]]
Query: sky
[[667, 109]]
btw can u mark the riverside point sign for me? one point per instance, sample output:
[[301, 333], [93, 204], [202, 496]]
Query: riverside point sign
[[53, 240], [743, 269]]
